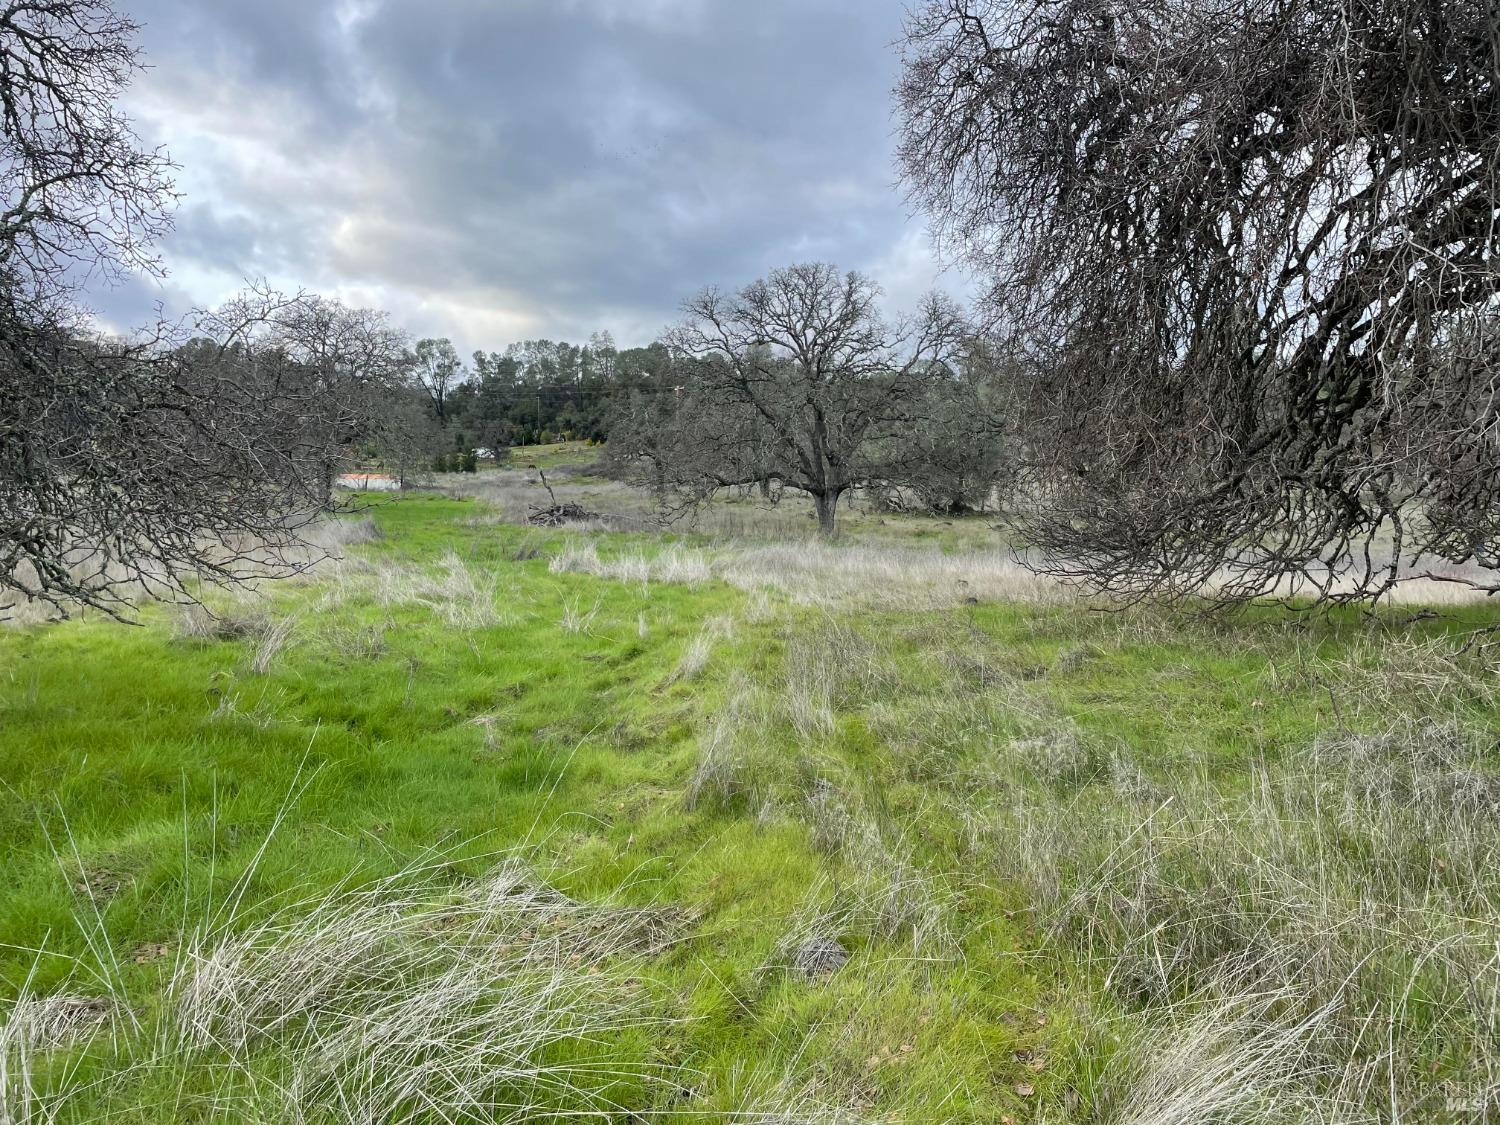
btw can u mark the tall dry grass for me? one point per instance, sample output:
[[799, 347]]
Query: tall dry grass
[[1357, 883], [1315, 940], [887, 576], [699, 651], [829, 575], [463, 596], [727, 773], [673, 566], [1222, 1057], [400, 1000], [879, 888]]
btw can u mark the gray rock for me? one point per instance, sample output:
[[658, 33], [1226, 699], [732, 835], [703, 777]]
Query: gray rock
[[819, 957]]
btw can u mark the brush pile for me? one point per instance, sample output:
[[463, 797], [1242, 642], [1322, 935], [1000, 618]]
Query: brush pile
[[555, 515]]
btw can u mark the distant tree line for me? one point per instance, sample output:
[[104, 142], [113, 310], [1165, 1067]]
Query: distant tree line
[[531, 393]]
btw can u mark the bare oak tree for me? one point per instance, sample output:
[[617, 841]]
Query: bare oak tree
[[1249, 248], [130, 466], [792, 379], [192, 450]]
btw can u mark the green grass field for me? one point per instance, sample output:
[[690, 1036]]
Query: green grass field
[[449, 831]]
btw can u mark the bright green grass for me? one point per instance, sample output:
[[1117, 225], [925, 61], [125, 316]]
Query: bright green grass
[[557, 455], [382, 734]]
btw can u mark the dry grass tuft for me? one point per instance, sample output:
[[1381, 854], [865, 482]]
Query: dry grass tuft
[[242, 620], [461, 596], [819, 666], [1224, 1057], [357, 642], [696, 656], [576, 619], [675, 565], [196, 623], [46, 1023], [392, 1001], [333, 534], [268, 645], [1058, 758], [724, 776]]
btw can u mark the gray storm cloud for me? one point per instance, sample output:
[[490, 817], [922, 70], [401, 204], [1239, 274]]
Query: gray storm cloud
[[529, 167]]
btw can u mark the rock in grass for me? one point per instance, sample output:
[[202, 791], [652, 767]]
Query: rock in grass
[[1058, 757], [819, 957]]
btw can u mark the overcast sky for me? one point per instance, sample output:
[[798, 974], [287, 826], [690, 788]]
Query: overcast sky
[[493, 171]]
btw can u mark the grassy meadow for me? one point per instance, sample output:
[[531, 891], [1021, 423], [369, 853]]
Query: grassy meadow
[[490, 822]]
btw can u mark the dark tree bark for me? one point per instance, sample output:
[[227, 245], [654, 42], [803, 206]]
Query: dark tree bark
[[826, 505]]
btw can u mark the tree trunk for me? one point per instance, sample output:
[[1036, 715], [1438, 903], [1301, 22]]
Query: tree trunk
[[827, 504], [330, 474]]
